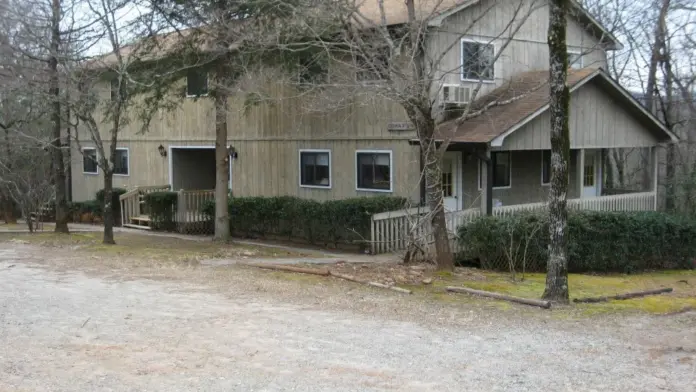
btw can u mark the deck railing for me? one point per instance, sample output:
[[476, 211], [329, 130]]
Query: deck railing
[[190, 203], [395, 230], [131, 201]]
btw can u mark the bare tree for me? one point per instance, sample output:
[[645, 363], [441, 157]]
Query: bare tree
[[398, 58], [559, 109]]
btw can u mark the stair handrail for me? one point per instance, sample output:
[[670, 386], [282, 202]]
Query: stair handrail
[[130, 201]]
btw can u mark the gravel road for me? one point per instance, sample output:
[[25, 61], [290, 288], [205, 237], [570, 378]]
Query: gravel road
[[69, 331]]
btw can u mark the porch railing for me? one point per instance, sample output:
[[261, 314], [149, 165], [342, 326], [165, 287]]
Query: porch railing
[[190, 205], [394, 230], [132, 201]]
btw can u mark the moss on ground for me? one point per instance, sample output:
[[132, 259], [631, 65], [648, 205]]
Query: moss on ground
[[683, 283]]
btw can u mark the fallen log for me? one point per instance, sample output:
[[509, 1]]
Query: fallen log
[[374, 284], [288, 268], [525, 301], [635, 294]]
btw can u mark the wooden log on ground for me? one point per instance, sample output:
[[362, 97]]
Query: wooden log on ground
[[525, 301], [288, 268], [635, 294], [373, 284]]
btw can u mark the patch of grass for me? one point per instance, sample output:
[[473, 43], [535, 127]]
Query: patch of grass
[[683, 283], [150, 247]]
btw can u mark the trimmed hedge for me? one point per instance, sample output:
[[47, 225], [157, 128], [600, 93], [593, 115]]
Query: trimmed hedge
[[331, 222], [597, 241], [161, 207], [92, 208], [115, 203]]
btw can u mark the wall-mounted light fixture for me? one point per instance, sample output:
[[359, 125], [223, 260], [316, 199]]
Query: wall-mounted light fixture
[[232, 152], [162, 151]]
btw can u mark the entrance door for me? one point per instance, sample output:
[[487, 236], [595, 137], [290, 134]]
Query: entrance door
[[451, 176], [591, 179]]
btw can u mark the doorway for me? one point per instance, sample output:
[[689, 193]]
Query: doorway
[[192, 168], [452, 180], [592, 174]]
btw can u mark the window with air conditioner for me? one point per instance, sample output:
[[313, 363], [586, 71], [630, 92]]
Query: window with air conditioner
[[455, 94]]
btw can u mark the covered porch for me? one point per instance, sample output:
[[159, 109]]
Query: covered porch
[[502, 155], [498, 161], [509, 180]]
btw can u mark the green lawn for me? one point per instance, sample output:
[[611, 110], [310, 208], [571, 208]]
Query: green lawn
[[683, 283]]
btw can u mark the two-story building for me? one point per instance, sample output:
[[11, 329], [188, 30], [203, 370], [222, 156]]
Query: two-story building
[[362, 147]]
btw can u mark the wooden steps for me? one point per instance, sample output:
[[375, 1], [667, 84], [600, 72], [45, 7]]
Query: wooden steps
[[139, 222]]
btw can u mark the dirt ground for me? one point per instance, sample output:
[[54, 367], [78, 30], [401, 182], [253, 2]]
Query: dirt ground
[[76, 317]]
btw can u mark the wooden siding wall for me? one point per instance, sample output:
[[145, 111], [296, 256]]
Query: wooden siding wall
[[525, 181], [596, 121], [266, 168], [528, 51], [268, 136]]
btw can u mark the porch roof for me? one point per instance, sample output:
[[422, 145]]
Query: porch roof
[[509, 107]]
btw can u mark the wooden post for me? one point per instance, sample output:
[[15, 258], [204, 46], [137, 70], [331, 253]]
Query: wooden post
[[655, 175], [373, 244], [486, 176], [581, 171]]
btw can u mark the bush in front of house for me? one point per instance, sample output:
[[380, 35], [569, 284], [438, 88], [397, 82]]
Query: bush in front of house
[[331, 222], [597, 241], [115, 203], [89, 211], [161, 207]]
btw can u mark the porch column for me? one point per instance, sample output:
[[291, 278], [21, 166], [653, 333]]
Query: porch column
[[486, 175], [581, 171], [655, 174]]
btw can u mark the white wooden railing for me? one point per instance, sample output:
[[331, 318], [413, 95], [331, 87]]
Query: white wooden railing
[[131, 201], [394, 230], [190, 204]]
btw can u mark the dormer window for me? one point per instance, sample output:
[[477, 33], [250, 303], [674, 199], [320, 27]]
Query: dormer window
[[196, 83], [477, 61]]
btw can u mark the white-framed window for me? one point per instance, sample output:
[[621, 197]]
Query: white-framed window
[[315, 169], [89, 161], [196, 83], [575, 59], [374, 170], [477, 60], [122, 162], [545, 167], [502, 170]]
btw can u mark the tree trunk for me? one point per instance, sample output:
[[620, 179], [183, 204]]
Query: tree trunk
[[6, 202], [557, 265], [108, 210], [57, 151], [433, 189], [418, 107], [222, 168]]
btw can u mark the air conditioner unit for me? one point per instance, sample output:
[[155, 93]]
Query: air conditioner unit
[[454, 94]]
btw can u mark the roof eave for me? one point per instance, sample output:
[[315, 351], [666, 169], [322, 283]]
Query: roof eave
[[670, 136]]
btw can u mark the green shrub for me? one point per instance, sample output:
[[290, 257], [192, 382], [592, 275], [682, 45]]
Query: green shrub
[[115, 203], [161, 207], [597, 241], [83, 207], [330, 222]]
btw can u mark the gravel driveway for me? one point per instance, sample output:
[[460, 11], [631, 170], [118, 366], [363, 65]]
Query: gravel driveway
[[68, 331]]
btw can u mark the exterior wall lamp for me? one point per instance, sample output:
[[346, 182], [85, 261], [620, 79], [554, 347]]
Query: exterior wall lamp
[[162, 151]]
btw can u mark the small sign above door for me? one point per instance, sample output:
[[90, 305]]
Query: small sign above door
[[400, 126]]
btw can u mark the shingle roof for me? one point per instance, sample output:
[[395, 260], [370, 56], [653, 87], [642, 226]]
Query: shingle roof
[[397, 13], [506, 106]]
